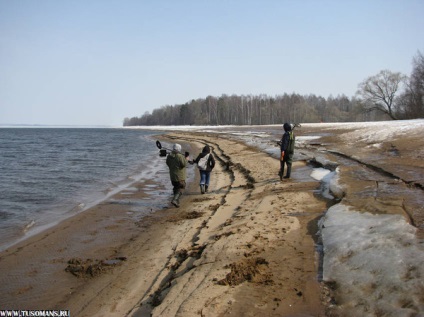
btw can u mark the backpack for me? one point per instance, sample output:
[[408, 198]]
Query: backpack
[[203, 162], [290, 148]]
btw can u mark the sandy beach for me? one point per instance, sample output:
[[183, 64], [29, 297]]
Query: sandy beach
[[249, 247]]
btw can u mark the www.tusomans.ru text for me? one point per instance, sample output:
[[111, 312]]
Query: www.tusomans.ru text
[[34, 313]]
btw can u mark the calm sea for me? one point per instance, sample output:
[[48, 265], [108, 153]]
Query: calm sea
[[47, 174]]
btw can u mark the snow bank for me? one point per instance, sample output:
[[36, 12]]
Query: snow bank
[[374, 132], [376, 262], [330, 186]]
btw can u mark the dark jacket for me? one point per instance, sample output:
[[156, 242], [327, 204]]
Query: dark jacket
[[287, 140], [211, 161]]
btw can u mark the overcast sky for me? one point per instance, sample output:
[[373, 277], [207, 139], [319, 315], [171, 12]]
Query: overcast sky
[[96, 62]]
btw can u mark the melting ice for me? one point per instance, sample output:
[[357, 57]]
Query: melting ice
[[375, 261]]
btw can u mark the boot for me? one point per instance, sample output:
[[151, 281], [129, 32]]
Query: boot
[[176, 200], [281, 175], [288, 171], [281, 172], [202, 188], [206, 188]]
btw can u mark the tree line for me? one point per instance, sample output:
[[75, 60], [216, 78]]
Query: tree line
[[387, 95]]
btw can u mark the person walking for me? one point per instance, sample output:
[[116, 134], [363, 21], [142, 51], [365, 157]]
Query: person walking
[[205, 162], [287, 149], [177, 164]]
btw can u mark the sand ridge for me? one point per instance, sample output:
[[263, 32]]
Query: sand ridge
[[247, 219]]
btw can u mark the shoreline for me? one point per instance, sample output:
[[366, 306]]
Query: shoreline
[[65, 183], [247, 247]]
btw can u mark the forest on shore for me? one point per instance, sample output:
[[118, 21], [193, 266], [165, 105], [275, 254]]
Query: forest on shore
[[384, 96]]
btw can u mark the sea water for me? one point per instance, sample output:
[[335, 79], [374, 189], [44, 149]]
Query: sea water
[[48, 174]]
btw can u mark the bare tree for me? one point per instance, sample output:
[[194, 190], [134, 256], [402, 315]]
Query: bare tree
[[379, 92], [416, 86]]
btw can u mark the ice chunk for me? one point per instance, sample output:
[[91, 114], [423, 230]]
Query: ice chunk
[[375, 262], [319, 173]]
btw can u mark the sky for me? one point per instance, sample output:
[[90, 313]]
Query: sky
[[95, 62]]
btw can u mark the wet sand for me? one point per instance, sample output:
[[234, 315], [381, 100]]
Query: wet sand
[[246, 248]]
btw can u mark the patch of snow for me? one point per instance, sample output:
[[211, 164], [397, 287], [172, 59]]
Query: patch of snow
[[319, 173], [377, 132], [334, 186], [249, 133], [330, 187], [376, 261], [304, 138], [377, 145]]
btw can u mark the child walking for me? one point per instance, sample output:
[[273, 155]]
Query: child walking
[[205, 162]]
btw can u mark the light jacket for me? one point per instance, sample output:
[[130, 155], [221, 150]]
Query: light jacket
[[211, 161]]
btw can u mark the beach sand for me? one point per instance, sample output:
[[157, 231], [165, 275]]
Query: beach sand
[[246, 248]]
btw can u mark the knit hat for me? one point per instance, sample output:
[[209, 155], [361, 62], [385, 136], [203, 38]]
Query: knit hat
[[176, 148], [287, 127]]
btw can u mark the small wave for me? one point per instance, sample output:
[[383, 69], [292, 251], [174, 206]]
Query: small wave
[[78, 207], [29, 226]]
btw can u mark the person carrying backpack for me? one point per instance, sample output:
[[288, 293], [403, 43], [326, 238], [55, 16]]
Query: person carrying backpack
[[205, 162], [287, 150]]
